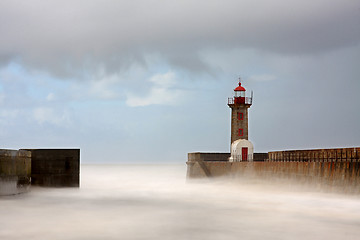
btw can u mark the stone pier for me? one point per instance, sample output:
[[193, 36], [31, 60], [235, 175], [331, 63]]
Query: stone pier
[[332, 167], [15, 171], [55, 167], [42, 167]]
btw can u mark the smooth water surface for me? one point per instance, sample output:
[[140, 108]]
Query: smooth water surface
[[156, 202]]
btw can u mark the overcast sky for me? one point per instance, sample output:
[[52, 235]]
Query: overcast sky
[[148, 80]]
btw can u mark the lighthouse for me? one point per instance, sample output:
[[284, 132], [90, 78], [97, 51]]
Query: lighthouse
[[241, 148]]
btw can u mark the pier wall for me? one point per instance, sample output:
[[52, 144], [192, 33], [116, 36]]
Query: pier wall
[[342, 175], [196, 161], [15, 171], [329, 167], [317, 155], [42, 167], [201, 156], [55, 167]]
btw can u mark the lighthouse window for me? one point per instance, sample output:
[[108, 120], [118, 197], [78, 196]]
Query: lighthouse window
[[240, 116], [241, 132]]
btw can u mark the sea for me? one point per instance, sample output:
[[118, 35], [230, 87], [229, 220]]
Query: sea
[[158, 202]]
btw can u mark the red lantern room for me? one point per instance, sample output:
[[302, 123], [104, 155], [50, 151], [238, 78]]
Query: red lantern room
[[240, 97], [239, 94]]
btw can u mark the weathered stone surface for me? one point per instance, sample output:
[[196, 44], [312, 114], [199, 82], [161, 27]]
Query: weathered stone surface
[[55, 167], [260, 157], [317, 155], [344, 176], [327, 167], [208, 156], [15, 171], [237, 124]]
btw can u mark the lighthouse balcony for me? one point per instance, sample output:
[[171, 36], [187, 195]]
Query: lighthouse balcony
[[240, 100]]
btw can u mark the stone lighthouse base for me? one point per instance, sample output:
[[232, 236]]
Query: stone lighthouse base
[[242, 150]]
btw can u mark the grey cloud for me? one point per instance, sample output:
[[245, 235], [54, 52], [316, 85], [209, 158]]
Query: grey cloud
[[75, 38]]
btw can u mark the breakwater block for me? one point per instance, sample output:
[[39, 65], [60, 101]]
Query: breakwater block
[[15, 171], [55, 167]]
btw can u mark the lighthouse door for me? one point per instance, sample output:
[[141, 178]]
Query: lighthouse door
[[244, 153]]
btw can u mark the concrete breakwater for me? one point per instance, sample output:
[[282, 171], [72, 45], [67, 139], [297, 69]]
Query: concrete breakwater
[[42, 167], [55, 167], [328, 167], [342, 175], [317, 155], [15, 171]]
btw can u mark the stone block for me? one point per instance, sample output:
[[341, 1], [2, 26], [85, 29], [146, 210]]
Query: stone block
[[15, 171], [55, 167]]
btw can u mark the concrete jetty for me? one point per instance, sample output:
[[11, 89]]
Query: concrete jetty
[[333, 167], [55, 167], [15, 171], [19, 169]]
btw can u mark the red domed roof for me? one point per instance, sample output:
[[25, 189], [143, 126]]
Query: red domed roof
[[239, 88]]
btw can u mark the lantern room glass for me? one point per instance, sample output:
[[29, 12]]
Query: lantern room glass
[[239, 93]]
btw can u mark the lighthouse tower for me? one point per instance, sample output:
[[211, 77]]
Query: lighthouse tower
[[241, 148]]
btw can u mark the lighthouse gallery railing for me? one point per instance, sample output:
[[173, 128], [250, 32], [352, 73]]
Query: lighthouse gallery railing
[[248, 100]]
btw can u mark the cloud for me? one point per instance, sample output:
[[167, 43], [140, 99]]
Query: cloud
[[74, 38], [7, 117], [103, 88], [2, 98], [48, 115], [161, 93], [262, 77], [50, 97], [6, 113]]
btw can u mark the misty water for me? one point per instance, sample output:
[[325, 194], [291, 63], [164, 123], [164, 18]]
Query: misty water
[[156, 202]]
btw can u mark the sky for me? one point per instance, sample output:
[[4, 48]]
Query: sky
[[148, 81]]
